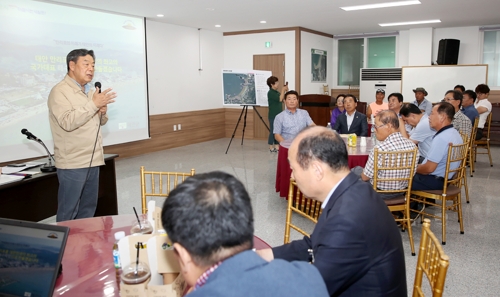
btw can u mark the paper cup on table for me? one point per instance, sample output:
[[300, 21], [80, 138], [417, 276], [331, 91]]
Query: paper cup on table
[[363, 141]]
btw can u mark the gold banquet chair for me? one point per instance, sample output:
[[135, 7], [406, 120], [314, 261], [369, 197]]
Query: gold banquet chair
[[159, 184], [467, 139], [484, 143], [432, 261], [400, 163], [300, 204], [452, 188], [470, 155]]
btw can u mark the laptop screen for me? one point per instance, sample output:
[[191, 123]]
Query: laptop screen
[[30, 255]]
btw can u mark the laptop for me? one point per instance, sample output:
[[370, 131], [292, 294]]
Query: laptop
[[30, 257]]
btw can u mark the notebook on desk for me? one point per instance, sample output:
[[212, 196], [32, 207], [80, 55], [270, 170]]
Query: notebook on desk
[[30, 257]]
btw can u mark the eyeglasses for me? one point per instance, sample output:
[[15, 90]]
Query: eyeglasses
[[379, 126]]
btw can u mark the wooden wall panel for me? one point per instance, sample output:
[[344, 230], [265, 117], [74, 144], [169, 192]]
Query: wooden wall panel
[[260, 131], [232, 115], [494, 96], [196, 126]]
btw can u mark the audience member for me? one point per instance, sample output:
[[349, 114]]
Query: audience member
[[274, 100], [460, 121], [468, 107], [390, 140], [352, 121], [378, 105], [483, 107], [338, 110], [420, 101], [209, 220], [356, 244], [421, 134], [292, 120], [430, 174], [395, 103], [459, 88]]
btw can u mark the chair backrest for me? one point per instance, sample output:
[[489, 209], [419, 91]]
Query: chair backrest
[[300, 204], [159, 184], [432, 261], [396, 168], [456, 154], [474, 129]]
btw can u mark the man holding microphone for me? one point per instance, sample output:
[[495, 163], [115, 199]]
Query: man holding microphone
[[75, 114]]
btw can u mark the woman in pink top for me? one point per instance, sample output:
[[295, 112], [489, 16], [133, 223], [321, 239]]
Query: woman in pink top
[[378, 105]]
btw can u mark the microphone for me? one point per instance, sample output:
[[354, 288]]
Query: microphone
[[98, 85], [29, 135]]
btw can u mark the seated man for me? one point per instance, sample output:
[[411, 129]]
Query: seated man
[[423, 104], [430, 174], [209, 220], [395, 103], [378, 105], [460, 121], [391, 140], [351, 121], [468, 107], [421, 134], [292, 120], [355, 245]]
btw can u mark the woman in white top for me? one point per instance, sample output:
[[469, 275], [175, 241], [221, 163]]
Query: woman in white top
[[483, 107]]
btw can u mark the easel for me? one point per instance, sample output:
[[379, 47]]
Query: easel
[[245, 109]]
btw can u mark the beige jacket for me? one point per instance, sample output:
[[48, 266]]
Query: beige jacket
[[74, 120]]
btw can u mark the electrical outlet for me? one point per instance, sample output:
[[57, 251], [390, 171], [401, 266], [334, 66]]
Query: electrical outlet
[[175, 127], [179, 127]]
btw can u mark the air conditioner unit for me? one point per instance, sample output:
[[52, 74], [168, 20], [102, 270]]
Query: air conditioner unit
[[372, 79]]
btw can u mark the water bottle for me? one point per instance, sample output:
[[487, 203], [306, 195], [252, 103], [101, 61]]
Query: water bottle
[[116, 256], [372, 133], [329, 126]]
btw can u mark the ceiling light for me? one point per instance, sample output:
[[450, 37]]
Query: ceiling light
[[263, 22], [409, 23], [380, 5], [217, 26], [160, 15]]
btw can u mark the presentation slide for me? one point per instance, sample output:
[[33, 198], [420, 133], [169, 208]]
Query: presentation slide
[[245, 87], [35, 38]]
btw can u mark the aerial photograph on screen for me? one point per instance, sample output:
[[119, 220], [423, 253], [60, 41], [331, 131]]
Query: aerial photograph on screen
[[239, 88]]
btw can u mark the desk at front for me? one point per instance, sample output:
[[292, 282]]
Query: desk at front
[[35, 198]]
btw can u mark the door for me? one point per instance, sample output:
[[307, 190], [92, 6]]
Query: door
[[276, 64]]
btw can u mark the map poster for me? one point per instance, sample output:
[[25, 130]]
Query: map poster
[[245, 87], [318, 65]]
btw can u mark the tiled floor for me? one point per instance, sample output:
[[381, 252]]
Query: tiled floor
[[474, 258]]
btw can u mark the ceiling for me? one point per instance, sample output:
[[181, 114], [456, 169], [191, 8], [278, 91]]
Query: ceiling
[[320, 15]]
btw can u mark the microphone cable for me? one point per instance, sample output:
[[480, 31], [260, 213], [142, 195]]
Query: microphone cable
[[88, 170]]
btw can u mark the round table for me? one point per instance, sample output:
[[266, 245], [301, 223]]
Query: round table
[[356, 156], [88, 268]]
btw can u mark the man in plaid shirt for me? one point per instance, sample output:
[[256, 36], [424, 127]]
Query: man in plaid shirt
[[460, 121], [387, 132]]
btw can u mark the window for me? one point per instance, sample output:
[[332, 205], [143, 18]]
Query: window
[[350, 61], [491, 56], [351, 57], [382, 52]]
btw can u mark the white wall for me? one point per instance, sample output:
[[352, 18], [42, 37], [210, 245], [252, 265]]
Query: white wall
[[403, 48], [175, 84], [239, 51], [420, 47], [470, 39], [313, 41]]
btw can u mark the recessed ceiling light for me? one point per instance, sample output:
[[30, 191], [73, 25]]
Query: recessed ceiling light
[[263, 22], [160, 15], [380, 5], [409, 23], [217, 26]]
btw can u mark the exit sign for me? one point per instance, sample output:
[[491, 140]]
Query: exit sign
[[268, 44]]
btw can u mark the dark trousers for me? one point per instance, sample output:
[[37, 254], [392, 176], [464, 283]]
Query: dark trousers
[[425, 182], [479, 134]]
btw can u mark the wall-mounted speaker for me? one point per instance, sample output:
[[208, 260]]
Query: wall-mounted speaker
[[448, 51]]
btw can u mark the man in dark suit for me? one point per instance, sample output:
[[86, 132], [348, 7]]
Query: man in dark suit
[[351, 121], [209, 220], [355, 245]]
